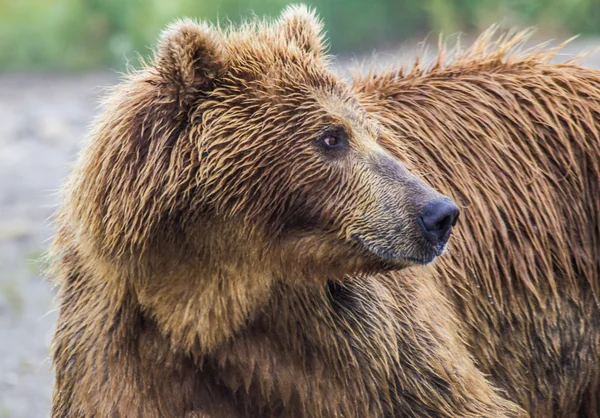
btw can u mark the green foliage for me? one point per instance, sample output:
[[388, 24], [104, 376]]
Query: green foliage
[[87, 34]]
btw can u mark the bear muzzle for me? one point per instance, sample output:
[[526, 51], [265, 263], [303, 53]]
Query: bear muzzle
[[436, 220]]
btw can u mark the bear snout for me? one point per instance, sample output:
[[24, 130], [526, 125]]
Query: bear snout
[[436, 220]]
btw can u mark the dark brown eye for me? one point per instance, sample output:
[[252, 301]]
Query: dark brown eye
[[334, 139], [330, 141]]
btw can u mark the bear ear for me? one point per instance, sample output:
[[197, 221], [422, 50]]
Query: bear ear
[[190, 57], [301, 26]]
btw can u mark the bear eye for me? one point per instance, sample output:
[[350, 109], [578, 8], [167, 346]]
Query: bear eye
[[334, 139], [330, 140]]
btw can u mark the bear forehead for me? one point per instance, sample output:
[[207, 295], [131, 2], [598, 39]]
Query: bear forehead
[[258, 51], [347, 109], [264, 67], [294, 83], [285, 69]]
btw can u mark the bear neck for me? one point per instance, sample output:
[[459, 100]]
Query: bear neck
[[193, 333], [207, 287], [217, 280]]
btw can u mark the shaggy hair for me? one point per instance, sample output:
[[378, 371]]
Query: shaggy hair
[[204, 252], [515, 139]]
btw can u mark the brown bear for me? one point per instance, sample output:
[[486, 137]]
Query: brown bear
[[230, 240], [516, 140]]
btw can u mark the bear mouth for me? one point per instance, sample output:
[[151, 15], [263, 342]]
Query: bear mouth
[[393, 256]]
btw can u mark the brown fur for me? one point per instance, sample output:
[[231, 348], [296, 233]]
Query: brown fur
[[516, 140], [207, 255]]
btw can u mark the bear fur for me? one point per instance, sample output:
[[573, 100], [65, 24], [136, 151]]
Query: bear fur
[[206, 253], [515, 139]]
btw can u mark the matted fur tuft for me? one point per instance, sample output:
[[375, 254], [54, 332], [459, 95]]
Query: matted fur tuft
[[515, 139]]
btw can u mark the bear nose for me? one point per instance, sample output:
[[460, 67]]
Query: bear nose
[[436, 219]]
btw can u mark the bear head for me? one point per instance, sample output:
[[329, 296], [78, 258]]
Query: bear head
[[242, 142]]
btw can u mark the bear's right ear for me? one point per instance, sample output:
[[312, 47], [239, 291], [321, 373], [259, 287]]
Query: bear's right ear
[[190, 57]]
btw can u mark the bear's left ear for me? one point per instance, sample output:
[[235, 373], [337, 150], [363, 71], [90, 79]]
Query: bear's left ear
[[301, 26], [190, 57]]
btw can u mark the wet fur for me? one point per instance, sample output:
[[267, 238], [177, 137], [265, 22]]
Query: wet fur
[[190, 287], [515, 139]]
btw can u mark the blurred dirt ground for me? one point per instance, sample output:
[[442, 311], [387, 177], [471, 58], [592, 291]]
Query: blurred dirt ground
[[43, 120]]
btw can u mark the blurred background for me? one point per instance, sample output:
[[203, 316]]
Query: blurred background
[[58, 56], [90, 34]]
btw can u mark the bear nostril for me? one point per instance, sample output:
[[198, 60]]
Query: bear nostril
[[455, 220], [436, 219]]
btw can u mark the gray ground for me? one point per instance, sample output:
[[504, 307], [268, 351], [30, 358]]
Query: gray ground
[[43, 119]]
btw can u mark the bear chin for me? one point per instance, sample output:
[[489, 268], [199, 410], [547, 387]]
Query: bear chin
[[394, 259]]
